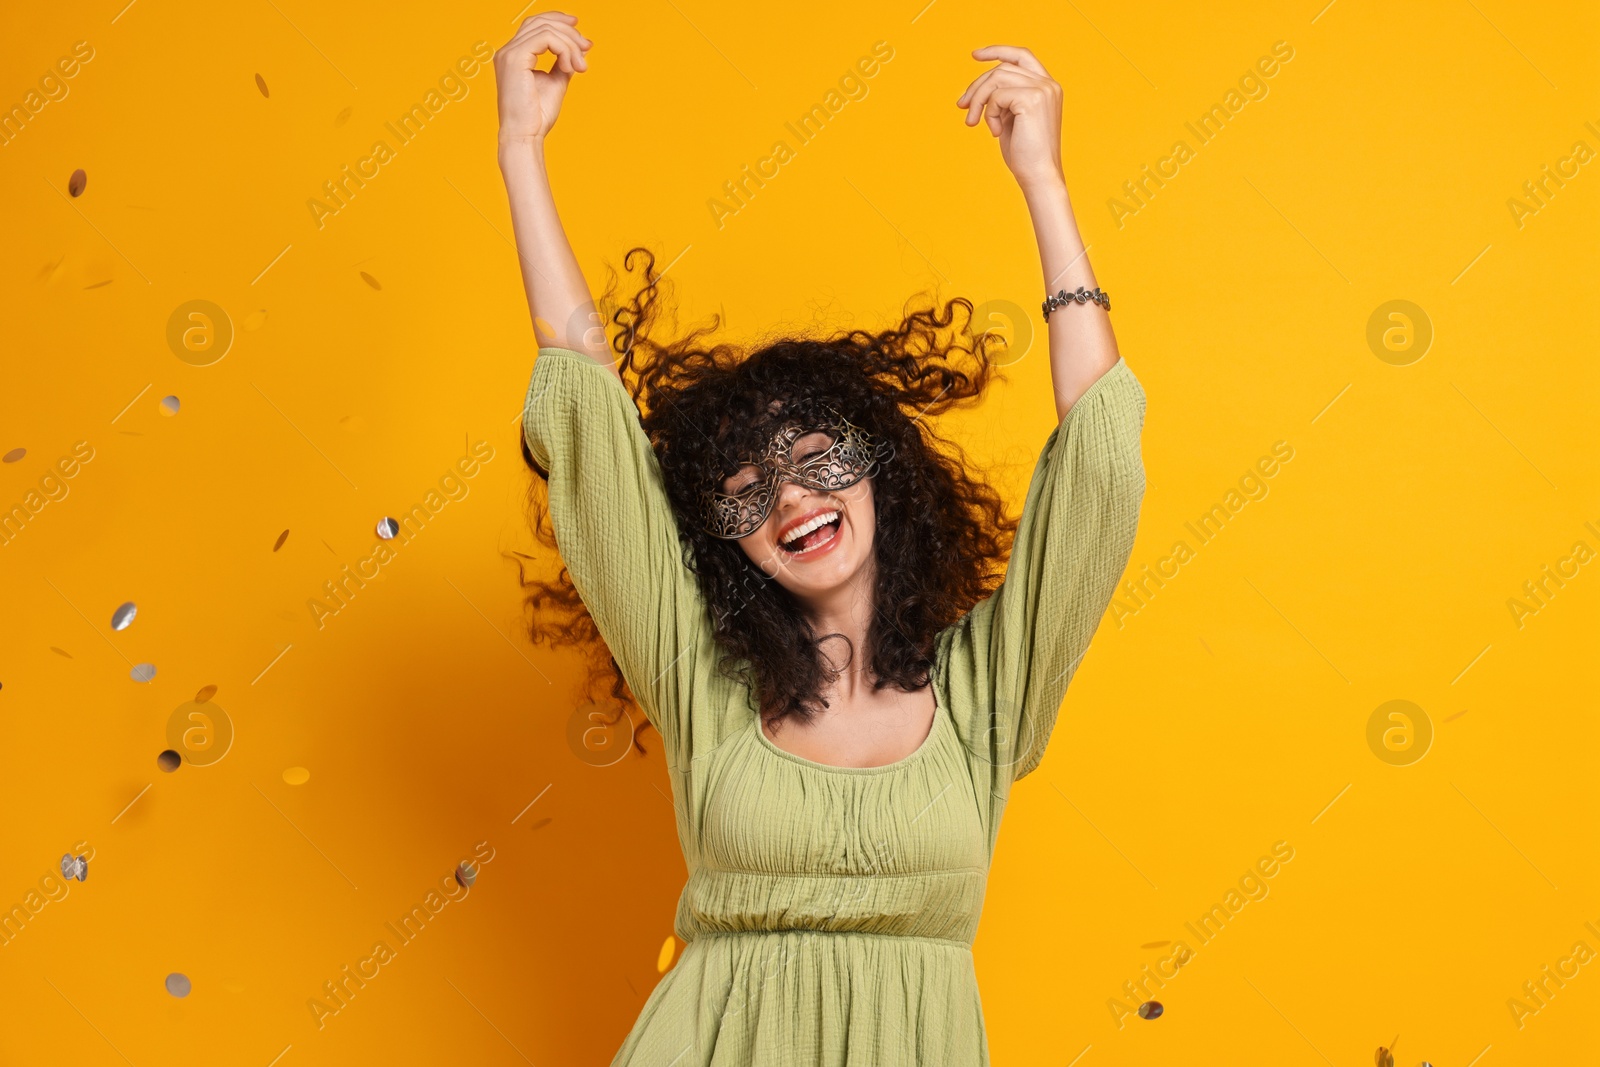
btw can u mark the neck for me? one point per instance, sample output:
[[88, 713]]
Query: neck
[[847, 610]]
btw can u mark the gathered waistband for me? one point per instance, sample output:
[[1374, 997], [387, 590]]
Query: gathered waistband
[[941, 942]]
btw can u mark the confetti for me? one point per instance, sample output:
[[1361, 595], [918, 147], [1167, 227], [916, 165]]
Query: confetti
[[76, 183], [466, 873], [1151, 1009], [122, 618], [169, 405], [387, 528], [342, 117], [60, 651], [74, 867], [97, 285], [541, 824], [169, 760], [15, 454], [178, 984], [281, 539], [142, 672], [206, 693], [261, 83], [296, 775], [669, 948], [1383, 1057], [370, 280], [1155, 944], [255, 320]]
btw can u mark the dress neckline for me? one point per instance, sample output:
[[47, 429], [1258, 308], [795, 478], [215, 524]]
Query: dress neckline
[[831, 768]]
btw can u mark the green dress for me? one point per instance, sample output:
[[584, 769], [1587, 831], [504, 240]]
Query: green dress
[[829, 912]]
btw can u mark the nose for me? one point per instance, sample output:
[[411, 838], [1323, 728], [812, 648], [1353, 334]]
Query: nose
[[792, 498]]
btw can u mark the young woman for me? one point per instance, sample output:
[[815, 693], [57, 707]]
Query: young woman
[[801, 585]]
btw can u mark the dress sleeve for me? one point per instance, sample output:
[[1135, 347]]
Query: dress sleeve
[[1011, 658], [617, 533]]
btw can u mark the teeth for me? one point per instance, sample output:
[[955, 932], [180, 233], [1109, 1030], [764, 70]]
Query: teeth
[[806, 527]]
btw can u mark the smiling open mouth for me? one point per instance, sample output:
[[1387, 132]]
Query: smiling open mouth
[[811, 534]]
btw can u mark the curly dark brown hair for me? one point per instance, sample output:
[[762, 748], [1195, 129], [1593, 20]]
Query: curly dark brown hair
[[943, 533]]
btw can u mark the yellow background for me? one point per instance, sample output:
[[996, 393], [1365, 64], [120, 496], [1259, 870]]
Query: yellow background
[[1224, 716]]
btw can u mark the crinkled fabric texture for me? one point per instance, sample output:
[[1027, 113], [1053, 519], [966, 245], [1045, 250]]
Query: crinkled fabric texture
[[829, 912]]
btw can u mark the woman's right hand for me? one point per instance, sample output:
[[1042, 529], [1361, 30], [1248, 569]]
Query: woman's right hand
[[530, 99]]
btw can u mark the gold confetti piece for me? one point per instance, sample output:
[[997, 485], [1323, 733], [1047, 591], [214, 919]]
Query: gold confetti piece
[[296, 775], [205, 694], [76, 183], [1152, 1009], [544, 327], [669, 948], [255, 320], [342, 117], [15, 454], [1383, 1057], [58, 270], [1458, 715], [540, 825], [1155, 944], [169, 405], [466, 874], [60, 651], [261, 83], [98, 285], [370, 280], [169, 760], [281, 539]]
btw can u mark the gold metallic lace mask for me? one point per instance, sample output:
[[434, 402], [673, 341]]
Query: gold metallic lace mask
[[840, 457]]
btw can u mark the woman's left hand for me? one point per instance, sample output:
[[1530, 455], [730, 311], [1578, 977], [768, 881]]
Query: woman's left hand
[[1023, 110]]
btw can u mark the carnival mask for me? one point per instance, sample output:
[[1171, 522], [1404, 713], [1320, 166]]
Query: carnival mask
[[827, 454]]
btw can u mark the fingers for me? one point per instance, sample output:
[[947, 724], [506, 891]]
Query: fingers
[[553, 32], [983, 91], [1011, 67], [1011, 54]]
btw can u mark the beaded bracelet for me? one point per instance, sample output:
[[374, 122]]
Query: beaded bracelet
[[1081, 295]]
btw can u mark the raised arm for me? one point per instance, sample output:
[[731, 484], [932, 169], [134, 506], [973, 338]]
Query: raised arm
[[1011, 659], [1022, 105], [530, 99], [613, 523]]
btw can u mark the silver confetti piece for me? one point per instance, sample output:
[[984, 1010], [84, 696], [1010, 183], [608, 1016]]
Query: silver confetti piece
[[178, 984], [143, 672], [387, 528], [122, 618], [466, 874]]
